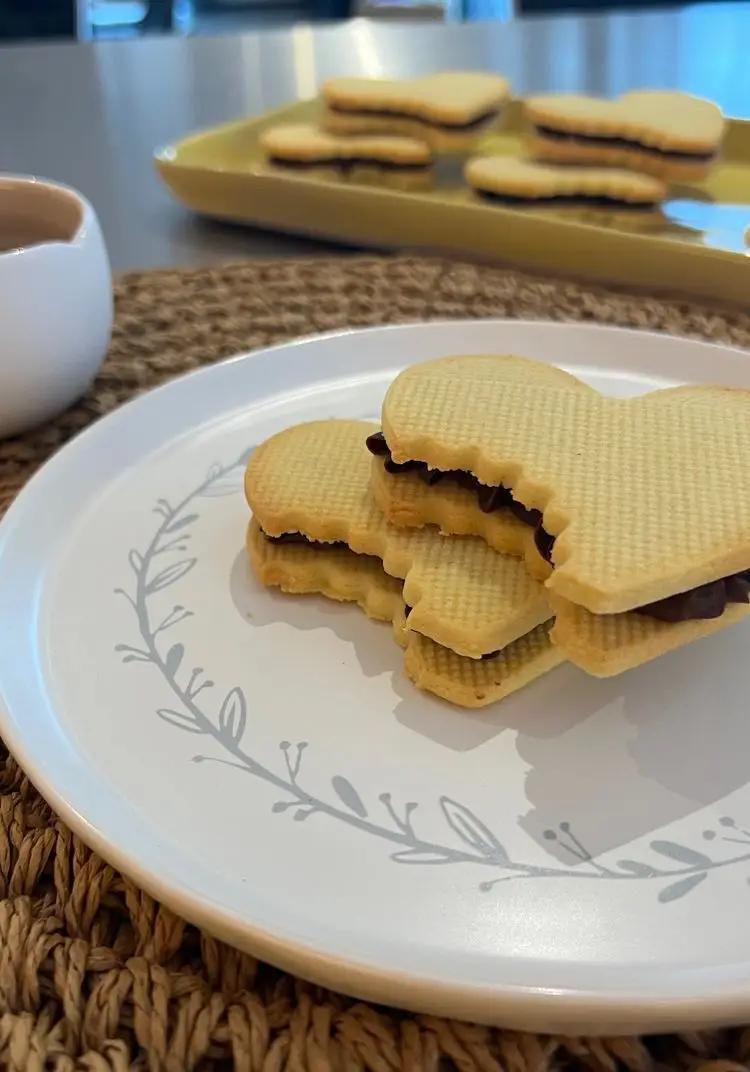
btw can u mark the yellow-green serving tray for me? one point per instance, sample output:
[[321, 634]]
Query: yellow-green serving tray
[[699, 244]]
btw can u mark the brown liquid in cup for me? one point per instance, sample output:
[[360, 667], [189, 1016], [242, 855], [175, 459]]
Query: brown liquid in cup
[[32, 214]]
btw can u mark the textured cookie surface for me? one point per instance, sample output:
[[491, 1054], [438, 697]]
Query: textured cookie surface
[[602, 645], [451, 97], [659, 119], [508, 176], [408, 502], [342, 575], [308, 144], [607, 644], [646, 496], [334, 572], [314, 479]]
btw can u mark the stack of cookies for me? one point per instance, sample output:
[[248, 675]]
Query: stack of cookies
[[389, 131], [614, 154], [507, 517], [474, 623]]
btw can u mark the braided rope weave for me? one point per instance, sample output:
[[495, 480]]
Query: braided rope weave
[[95, 975]]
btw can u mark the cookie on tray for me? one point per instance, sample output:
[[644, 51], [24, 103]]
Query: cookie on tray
[[390, 160], [340, 574], [508, 180], [448, 110], [671, 135], [641, 506], [310, 484]]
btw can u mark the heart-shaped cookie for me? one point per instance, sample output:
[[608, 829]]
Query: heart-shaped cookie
[[638, 499]]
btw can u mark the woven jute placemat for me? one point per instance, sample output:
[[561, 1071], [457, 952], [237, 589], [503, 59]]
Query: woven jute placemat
[[94, 975]]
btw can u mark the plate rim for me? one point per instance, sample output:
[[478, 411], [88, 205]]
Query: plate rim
[[535, 1008]]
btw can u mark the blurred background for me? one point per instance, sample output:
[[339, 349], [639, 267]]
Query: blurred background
[[112, 19], [108, 82]]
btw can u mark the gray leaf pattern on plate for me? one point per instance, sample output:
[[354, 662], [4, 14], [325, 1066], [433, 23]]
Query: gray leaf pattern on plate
[[470, 841]]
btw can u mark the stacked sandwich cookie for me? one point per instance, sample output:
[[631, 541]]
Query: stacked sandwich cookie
[[474, 623], [670, 135], [501, 493], [448, 111], [640, 508], [389, 160]]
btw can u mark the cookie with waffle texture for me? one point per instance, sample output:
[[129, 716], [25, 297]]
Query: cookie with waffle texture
[[641, 505], [408, 501], [311, 483], [608, 644], [415, 495], [342, 575]]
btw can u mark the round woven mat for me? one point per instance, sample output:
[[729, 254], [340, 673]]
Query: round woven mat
[[94, 974]]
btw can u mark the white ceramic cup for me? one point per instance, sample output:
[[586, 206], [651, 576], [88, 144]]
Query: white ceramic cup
[[55, 300]]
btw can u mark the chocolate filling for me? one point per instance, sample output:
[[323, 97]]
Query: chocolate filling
[[386, 113], [594, 201], [297, 537], [706, 601], [348, 164], [623, 143]]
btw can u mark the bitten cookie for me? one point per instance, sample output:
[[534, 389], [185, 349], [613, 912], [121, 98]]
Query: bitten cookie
[[506, 180], [310, 484], [340, 574], [448, 110], [641, 506], [671, 135], [414, 494], [405, 163], [408, 500]]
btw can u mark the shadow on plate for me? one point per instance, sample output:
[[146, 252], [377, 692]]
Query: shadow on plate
[[617, 759], [652, 746], [263, 607]]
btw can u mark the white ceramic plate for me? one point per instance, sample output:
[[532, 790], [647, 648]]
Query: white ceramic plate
[[327, 816]]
